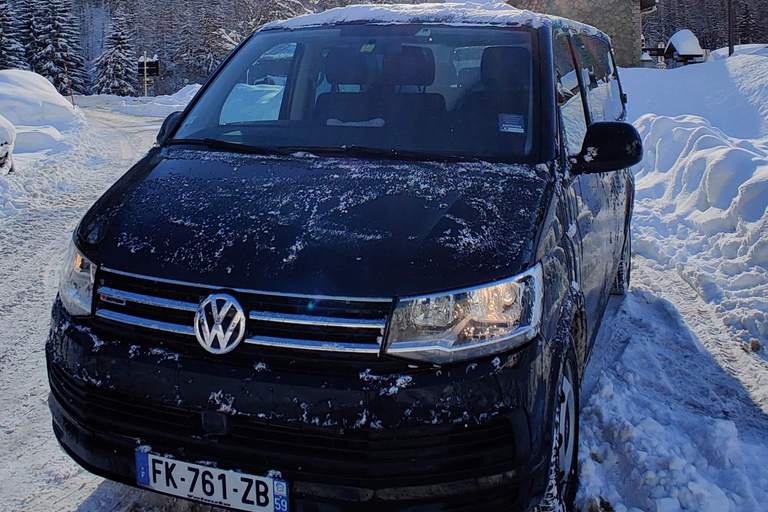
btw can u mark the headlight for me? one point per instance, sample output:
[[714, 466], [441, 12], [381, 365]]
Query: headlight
[[76, 284], [467, 324]]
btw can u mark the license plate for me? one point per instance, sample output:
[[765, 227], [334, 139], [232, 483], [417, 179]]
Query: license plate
[[210, 485]]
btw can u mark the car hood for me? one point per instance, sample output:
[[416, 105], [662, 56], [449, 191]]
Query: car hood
[[329, 226]]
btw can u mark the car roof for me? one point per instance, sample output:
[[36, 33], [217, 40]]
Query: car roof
[[449, 13]]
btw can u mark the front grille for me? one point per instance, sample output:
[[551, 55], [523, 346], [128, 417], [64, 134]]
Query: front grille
[[274, 320], [367, 458]]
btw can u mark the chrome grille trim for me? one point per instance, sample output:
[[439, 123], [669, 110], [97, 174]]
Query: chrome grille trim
[[147, 299], [250, 291], [325, 346], [320, 321], [364, 334], [144, 322]]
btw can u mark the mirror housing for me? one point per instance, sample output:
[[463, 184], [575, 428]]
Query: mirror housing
[[169, 126], [609, 146]]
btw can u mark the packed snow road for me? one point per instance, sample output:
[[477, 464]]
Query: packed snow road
[[45, 198]]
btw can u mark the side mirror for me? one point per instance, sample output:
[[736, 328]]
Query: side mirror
[[609, 146], [169, 125]]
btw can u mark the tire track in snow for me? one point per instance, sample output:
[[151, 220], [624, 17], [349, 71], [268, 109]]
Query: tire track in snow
[[672, 413], [705, 322]]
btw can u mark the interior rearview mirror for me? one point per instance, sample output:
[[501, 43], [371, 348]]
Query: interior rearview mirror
[[168, 127], [609, 146]]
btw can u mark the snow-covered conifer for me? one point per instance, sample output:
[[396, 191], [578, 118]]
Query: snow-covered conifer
[[748, 28], [53, 49], [11, 50], [115, 69]]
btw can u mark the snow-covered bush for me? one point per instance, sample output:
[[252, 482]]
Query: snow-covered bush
[[7, 140]]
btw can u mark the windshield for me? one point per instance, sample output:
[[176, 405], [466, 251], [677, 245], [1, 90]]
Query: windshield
[[442, 91]]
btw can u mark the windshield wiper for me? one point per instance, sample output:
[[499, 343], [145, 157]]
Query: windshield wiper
[[362, 151], [229, 146]]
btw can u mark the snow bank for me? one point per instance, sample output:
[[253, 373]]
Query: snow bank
[[7, 141], [702, 189], [46, 126], [40, 114], [158, 106], [28, 99], [701, 208], [722, 53], [731, 93]]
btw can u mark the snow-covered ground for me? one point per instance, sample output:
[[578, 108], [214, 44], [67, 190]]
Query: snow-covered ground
[[158, 106], [675, 400]]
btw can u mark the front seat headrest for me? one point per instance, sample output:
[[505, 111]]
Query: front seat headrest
[[505, 67], [413, 65], [346, 66]]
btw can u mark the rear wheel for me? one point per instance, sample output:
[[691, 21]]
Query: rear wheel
[[563, 479], [623, 274]]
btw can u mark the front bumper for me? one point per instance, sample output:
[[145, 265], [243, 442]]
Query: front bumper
[[451, 439]]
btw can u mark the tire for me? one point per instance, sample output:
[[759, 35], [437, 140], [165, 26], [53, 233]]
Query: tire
[[563, 481], [624, 273]]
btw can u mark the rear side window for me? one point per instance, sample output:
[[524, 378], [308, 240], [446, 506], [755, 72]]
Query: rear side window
[[569, 94], [596, 63]]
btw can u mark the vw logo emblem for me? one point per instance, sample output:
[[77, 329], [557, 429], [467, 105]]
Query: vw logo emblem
[[219, 323]]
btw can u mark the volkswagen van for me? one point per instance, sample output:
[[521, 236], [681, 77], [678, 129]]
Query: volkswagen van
[[363, 270]]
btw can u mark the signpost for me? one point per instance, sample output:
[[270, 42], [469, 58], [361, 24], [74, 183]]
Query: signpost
[[148, 67]]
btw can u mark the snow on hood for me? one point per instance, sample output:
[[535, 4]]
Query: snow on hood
[[449, 13], [319, 225]]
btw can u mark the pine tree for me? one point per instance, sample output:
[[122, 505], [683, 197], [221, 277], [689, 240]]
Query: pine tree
[[54, 50], [748, 29], [29, 17], [115, 69], [197, 52], [11, 50]]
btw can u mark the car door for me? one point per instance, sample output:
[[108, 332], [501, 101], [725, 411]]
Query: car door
[[605, 102], [597, 195]]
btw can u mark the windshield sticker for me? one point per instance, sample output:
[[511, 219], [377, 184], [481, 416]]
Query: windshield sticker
[[368, 47], [511, 123]]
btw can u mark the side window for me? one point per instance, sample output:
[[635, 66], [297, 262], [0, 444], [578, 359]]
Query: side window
[[603, 94], [571, 104], [259, 93]]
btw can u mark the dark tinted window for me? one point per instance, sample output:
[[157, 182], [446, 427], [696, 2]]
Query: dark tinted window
[[571, 104], [596, 61], [435, 90]]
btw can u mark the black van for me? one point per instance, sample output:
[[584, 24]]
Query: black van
[[363, 270]]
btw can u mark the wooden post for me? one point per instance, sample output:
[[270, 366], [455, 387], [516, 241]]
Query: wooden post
[[145, 74], [69, 85]]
